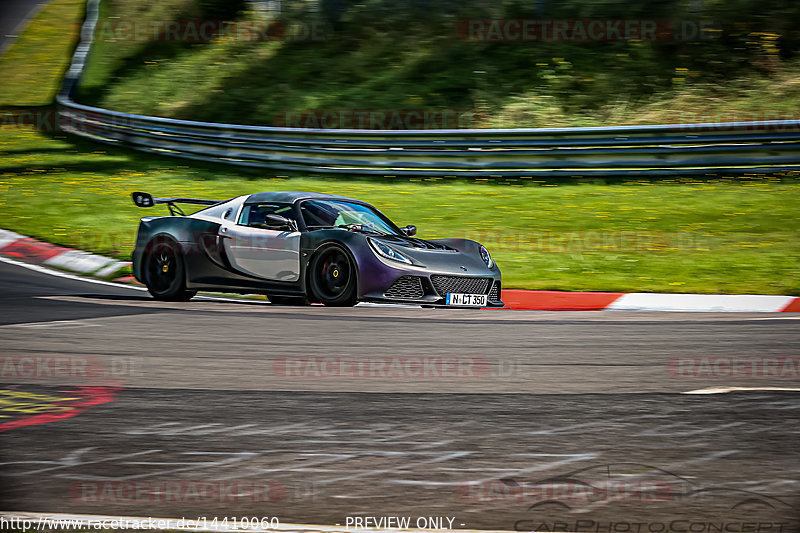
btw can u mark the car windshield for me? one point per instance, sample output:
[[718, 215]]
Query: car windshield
[[332, 213]]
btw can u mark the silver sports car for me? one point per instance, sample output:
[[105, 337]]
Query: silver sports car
[[302, 247]]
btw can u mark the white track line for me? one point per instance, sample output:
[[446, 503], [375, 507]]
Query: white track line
[[790, 317], [57, 273], [393, 306], [724, 390], [78, 323], [50, 271], [175, 524]]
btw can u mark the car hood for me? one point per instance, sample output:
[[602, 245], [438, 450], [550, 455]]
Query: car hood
[[410, 242], [456, 256]]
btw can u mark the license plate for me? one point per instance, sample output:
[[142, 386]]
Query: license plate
[[470, 300]]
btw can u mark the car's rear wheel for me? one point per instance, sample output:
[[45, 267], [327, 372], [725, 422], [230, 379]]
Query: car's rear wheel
[[164, 272], [332, 277]]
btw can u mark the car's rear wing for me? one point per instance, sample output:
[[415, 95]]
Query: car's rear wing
[[143, 199]]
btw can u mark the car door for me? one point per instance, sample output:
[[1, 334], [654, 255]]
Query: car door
[[259, 251]]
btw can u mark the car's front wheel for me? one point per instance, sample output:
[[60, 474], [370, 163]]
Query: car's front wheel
[[164, 272], [332, 277]]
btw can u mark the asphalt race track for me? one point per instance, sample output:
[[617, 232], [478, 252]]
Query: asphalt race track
[[111, 403]]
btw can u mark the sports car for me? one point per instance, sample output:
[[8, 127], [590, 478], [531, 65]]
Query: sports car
[[302, 247]]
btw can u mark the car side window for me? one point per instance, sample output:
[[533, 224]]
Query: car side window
[[315, 214], [254, 215]]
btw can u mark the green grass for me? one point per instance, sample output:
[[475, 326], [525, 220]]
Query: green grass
[[727, 236], [32, 67]]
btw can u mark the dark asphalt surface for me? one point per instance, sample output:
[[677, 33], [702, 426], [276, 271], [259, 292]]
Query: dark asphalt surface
[[12, 13], [559, 421]]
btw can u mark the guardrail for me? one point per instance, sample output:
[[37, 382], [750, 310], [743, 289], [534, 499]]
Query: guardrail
[[671, 149]]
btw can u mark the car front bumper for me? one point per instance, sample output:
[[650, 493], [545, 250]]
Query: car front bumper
[[432, 289]]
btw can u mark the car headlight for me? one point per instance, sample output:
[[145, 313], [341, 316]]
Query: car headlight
[[384, 250], [486, 257]]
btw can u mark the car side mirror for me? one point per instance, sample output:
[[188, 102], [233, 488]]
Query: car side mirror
[[409, 231], [277, 222]]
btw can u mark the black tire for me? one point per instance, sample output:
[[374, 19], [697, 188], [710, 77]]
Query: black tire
[[164, 272], [332, 277], [288, 300]]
